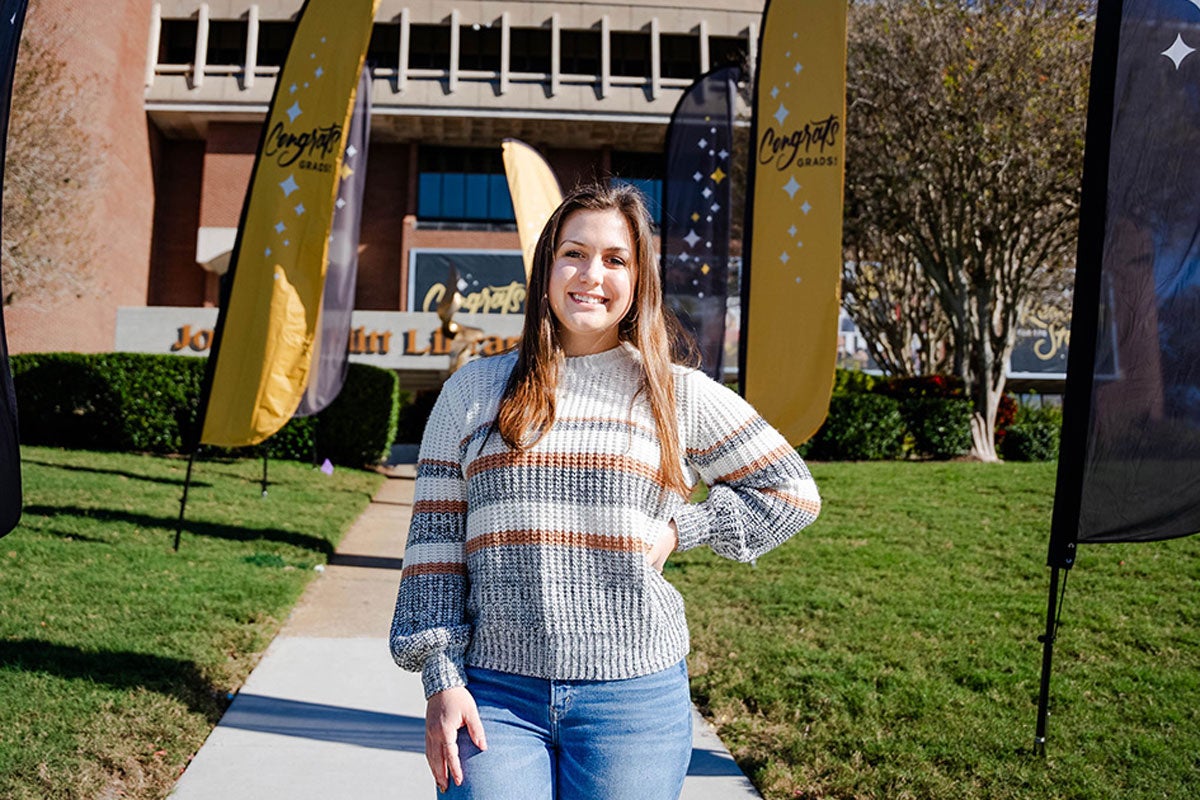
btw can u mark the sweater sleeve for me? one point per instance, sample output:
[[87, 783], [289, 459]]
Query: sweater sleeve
[[430, 631], [760, 490]]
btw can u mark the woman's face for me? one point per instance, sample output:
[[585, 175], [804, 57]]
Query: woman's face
[[592, 280]]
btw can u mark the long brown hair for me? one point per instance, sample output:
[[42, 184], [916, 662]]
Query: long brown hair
[[527, 408]]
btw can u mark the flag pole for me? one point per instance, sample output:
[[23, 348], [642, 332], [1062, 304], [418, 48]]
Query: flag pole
[[187, 481], [264, 477], [1053, 609]]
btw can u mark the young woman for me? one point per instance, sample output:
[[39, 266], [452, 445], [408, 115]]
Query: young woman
[[552, 486]]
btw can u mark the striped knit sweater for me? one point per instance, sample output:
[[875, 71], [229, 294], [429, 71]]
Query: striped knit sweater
[[535, 562]]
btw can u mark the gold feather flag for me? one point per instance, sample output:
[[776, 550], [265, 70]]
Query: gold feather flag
[[268, 320], [535, 193], [790, 309]]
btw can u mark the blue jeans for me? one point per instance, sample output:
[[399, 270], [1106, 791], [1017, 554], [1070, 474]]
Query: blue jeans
[[577, 740]]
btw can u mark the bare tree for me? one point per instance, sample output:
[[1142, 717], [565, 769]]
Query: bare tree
[[50, 168], [965, 151]]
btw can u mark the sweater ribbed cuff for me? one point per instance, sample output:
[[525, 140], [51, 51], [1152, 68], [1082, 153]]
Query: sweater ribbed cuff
[[692, 525], [442, 672]]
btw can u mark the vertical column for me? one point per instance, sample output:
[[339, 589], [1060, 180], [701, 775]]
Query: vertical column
[[704, 55], [453, 80], [751, 52], [251, 47], [402, 67], [605, 56], [153, 44], [505, 51], [555, 53], [200, 60], [655, 60]]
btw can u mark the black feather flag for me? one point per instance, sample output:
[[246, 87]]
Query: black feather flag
[[12, 17]]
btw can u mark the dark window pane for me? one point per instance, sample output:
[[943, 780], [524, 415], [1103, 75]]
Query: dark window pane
[[726, 50], [479, 49], [579, 52], [227, 42], [462, 183], [529, 50], [274, 40], [384, 49], [680, 55], [429, 47], [177, 41], [644, 171], [631, 54]]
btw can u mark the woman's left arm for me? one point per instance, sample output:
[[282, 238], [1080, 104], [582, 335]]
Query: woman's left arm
[[760, 490]]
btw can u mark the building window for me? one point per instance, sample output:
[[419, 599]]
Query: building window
[[680, 55], [384, 48], [579, 52], [177, 41], [724, 51], [529, 50], [429, 47], [644, 171], [479, 48], [227, 42], [631, 54], [461, 183], [274, 41]]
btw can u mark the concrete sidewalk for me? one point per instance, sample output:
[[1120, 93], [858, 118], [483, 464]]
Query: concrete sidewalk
[[327, 715]]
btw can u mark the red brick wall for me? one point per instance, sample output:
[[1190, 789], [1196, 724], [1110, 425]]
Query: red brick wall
[[381, 239], [104, 46], [175, 277]]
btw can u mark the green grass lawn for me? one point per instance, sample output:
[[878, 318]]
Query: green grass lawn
[[890, 650], [116, 653]]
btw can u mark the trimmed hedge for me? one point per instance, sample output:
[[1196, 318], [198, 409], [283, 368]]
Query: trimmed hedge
[[144, 403], [940, 426], [860, 427], [1034, 436]]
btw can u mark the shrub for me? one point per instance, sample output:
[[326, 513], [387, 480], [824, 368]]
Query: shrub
[[145, 403], [852, 381], [860, 427], [940, 426], [945, 386], [1034, 435]]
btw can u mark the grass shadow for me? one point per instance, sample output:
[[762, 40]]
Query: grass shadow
[[118, 472], [119, 670], [207, 529]]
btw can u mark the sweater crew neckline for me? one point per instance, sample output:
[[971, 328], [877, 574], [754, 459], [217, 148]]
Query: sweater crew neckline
[[603, 361]]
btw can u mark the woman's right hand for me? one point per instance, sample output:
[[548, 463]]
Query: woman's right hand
[[445, 713]]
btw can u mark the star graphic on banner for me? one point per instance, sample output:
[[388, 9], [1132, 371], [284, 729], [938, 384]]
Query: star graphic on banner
[[346, 171], [691, 238], [707, 193], [299, 210], [319, 71], [697, 176], [351, 151], [695, 217], [341, 203], [782, 113], [1178, 51], [293, 88], [294, 111], [705, 269], [286, 242], [280, 227], [289, 185], [684, 257], [267, 253], [784, 257], [703, 143], [799, 245], [724, 154], [796, 69], [312, 55], [806, 208], [792, 231], [715, 207], [774, 92], [718, 175], [791, 187]]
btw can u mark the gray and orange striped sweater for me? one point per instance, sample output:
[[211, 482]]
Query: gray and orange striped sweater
[[535, 562]]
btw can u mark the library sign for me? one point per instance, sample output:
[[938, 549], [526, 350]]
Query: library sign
[[399, 340]]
